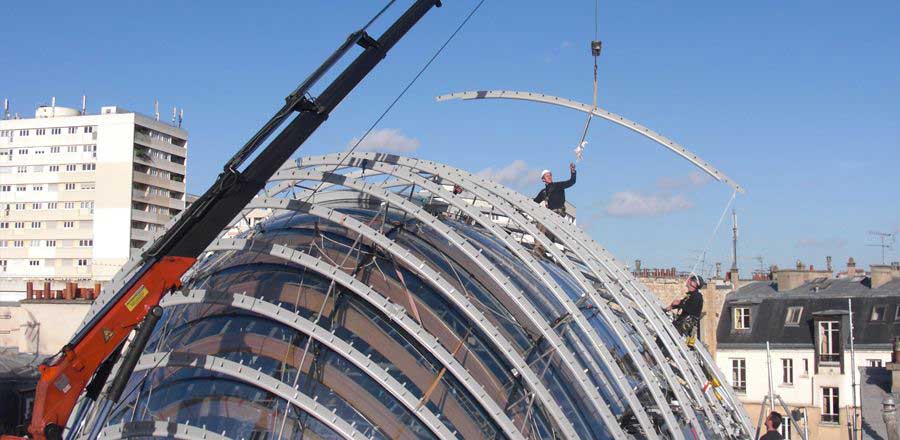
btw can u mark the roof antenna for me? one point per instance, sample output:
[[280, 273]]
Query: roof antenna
[[596, 46], [53, 107], [180, 117], [83, 105], [174, 114], [5, 108], [156, 108]]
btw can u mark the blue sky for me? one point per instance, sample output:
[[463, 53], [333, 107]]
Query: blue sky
[[798, 101]]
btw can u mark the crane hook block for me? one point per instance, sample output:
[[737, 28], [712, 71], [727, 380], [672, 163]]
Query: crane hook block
[[595, 48]]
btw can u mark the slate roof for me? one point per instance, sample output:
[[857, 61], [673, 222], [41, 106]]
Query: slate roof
[[769, 309], [17, 366]]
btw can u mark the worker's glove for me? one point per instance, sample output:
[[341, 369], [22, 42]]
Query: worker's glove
[[579, 151]]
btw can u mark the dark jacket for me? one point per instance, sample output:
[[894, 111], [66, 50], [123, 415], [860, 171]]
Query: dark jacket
[[771, 435], [692, 305], [555, 194]]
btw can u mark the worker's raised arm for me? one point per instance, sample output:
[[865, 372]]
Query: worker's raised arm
[[571, 180], [541, 196]]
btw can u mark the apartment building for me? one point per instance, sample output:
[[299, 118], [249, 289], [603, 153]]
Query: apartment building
[[79, 192], [804, 316]]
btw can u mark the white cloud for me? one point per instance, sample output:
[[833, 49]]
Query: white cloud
[[516, 175], [812, 242], [386, 140], [635, 204], [693, 179]]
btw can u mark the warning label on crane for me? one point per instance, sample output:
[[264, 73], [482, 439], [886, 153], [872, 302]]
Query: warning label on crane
[[136, 298]]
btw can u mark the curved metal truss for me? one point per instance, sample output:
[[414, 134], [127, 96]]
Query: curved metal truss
[[384, 304]]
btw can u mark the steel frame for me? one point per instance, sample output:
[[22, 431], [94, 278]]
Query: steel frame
[[560, 295], [599, 255], [327, 338], [179, 431], [394, 312], [463, 245], [246, 374]]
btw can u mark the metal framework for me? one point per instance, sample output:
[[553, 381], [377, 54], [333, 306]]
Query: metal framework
[[446, 320]]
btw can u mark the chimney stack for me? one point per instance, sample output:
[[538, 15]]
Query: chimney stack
[[637, 266], [851, 267], [718, 270], [828, 264]]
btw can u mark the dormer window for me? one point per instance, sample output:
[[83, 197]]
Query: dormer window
[[792, 318], [878, 313], [741, 318], [829, 342]]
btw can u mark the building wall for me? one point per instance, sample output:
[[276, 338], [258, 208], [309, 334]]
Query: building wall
[[806, 390], [69, 200], [40, 327]]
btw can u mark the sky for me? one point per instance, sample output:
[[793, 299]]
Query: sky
[[799, 102]]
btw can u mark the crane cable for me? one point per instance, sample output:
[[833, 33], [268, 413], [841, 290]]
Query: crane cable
[[595, 52]]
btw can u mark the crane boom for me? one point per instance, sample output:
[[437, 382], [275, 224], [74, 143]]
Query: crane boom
[[65, 376]]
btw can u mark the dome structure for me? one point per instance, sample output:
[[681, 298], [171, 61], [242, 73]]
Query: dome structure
[[375, 301]]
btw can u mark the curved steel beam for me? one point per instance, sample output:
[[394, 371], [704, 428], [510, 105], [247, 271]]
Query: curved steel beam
[[612, 117], [243, 373], [155, 429]]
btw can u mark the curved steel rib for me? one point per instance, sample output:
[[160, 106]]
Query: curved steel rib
[[609, 116]]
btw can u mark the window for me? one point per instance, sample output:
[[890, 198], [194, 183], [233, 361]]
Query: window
[[739, 375], [39, 151], [71, 167], [22, 170], [830, 405], [741, 318], [88, 167], [785, 428], [8, 188], [68, 224], [21, 188], [35, 243], [2, 243], [19, 225], [37, 187], [37, 206], [35, 225], [792, 318], [787, 371], [73, 130], [23, 133], [829, 342], [85, 243], [4, 225], [54, 149], [72, 148], [87, 186], [82, 262], [34, 262], [87, 205], [877, 313], [88, 129], [69, 205], [18, 243], [23, 151], [20, 206], [56, 131], [874, 363], [89, 148], [51, 205], [896, 314], [50, 243], [54, 168], [70, 186], [41, 131]]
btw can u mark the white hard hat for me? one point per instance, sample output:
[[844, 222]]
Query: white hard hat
[[545, 172]]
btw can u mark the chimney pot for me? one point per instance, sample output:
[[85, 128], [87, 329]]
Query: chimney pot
[[29, 290]]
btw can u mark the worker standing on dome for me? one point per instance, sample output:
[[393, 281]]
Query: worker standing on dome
[[554, 193]]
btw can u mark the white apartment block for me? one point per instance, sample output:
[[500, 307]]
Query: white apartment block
[[80, 192]]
